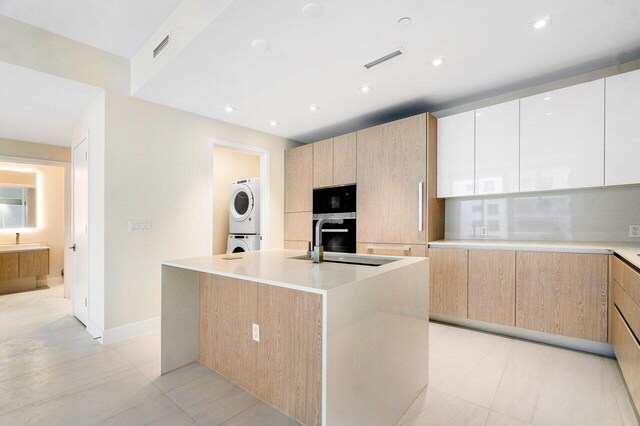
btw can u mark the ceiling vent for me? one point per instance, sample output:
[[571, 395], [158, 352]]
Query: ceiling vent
[[160, 48], [385, 58]]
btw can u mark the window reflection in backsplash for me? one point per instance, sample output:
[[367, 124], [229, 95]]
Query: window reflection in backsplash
[[602, 214]]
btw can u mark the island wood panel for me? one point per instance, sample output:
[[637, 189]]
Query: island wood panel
[[492, 286], [563, 293], [435, 205], [33, 263], [298, 179], [415, 250], [344, 159], [290, 352], [296, 245], [9, 266], [323, 163], [391, 161], [628, 308], [228, 309], [298, 226], [627, 350], [448, 281]]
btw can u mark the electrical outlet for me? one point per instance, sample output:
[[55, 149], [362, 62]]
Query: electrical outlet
[[634, 231], [256, 332], [484, 231]]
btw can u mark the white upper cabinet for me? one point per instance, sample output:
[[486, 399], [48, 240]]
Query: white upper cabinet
[[498, 148], [456, 155], [622, 140], [562, 138]]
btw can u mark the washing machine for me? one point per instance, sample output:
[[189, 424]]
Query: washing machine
[[244, 207], [243, 243]]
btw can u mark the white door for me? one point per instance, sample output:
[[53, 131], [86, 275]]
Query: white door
[[80, 215]]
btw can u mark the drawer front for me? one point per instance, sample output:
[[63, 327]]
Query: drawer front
[[631, 283], [617, 269], [627, 351], [627, 307]]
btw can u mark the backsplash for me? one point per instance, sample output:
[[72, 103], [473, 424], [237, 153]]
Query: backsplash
[[602, 214]]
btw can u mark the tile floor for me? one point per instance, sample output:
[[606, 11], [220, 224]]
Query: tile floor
[[53, 373]]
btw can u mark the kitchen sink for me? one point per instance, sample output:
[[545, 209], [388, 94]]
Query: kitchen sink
[[350, 260]]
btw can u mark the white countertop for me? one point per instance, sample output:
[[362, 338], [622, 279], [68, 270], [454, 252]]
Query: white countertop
[[628, 251], [12, 248], [276, 267]]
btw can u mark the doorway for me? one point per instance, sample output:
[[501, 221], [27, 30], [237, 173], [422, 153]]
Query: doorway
[[80, 225], [239, 188]]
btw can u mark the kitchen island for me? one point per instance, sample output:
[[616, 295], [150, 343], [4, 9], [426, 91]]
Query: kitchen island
[[341, 342]]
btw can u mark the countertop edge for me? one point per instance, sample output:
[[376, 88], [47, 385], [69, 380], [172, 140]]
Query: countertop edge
[[18, 250]]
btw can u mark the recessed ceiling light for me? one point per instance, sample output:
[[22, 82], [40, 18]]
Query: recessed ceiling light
[[541, 23], [549, 113], [312, 10], [229, 108], [260, 45], [438, 61], [404, 22], [546, 98], [273, 123], [366, 88], [313, 107]]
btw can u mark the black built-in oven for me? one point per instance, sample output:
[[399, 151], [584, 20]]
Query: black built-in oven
[[338, 203]]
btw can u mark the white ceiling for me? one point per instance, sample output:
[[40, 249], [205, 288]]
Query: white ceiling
[[38, 107], [120, 27], [489, 47]]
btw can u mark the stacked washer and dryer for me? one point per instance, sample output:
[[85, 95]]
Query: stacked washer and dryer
[[244, 216]]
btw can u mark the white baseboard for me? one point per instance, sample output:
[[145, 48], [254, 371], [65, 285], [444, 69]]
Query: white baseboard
[[94, 330], [128, 331]]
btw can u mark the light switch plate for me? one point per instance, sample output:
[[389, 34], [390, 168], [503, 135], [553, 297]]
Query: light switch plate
[[256, 332], [139, 225], [484, 231], [634, 231]]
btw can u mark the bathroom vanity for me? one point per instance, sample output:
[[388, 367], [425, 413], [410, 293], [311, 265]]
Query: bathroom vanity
[[340, 342], [21, 265]]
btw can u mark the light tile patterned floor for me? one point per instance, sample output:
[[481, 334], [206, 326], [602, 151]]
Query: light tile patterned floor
[[53, 373]]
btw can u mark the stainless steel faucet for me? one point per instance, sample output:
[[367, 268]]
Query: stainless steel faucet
[[318, 250], [17, 238]]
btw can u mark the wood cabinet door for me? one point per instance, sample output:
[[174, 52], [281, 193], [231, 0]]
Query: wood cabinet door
[[344, 159], [298, 167], [448, 282], [563, 293], [492, 286], [391, 174], [34, 263], [627, 351], [290, 352], [9, 268], [323, 163], [298, 226]]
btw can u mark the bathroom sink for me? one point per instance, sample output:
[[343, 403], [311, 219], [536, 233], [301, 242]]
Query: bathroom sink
[[350, 260]]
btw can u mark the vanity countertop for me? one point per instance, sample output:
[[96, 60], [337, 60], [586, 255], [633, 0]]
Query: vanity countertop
[[281, 268], [628, 251], [13, 248]]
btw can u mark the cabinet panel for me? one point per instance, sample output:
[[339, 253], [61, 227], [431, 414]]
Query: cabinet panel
[[296, 245], [498, 149], [323, 163], [228, 308], [629, 310], [562, 138], [492, 286], [391, 162], [563, 293], [456, 135], [297, 226], [33, 263], [344, 159], [290, 352], [298, 167], [9, 266], [622, 129], [627, 352], [448, 282], [392, 249]]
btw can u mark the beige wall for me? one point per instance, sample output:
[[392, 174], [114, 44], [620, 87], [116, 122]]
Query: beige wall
[[50, 229], [37, 151], [157, 166], [228, 166]]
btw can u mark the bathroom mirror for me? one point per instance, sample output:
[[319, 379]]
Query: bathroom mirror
[[18, 200]]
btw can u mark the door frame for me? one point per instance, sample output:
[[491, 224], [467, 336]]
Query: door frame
[[72, 225], [265, 189]]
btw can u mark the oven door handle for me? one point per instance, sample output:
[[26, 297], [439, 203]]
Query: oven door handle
[[335, 230]]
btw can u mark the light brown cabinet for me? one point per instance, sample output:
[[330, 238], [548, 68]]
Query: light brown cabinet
[[334, 161], [285, 367], [627, 350], [323, 163], [34, 263], [391, 175], [297, 226], [448, 282], [492, 286], [298, 179], [9, 266], [562, 293]]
